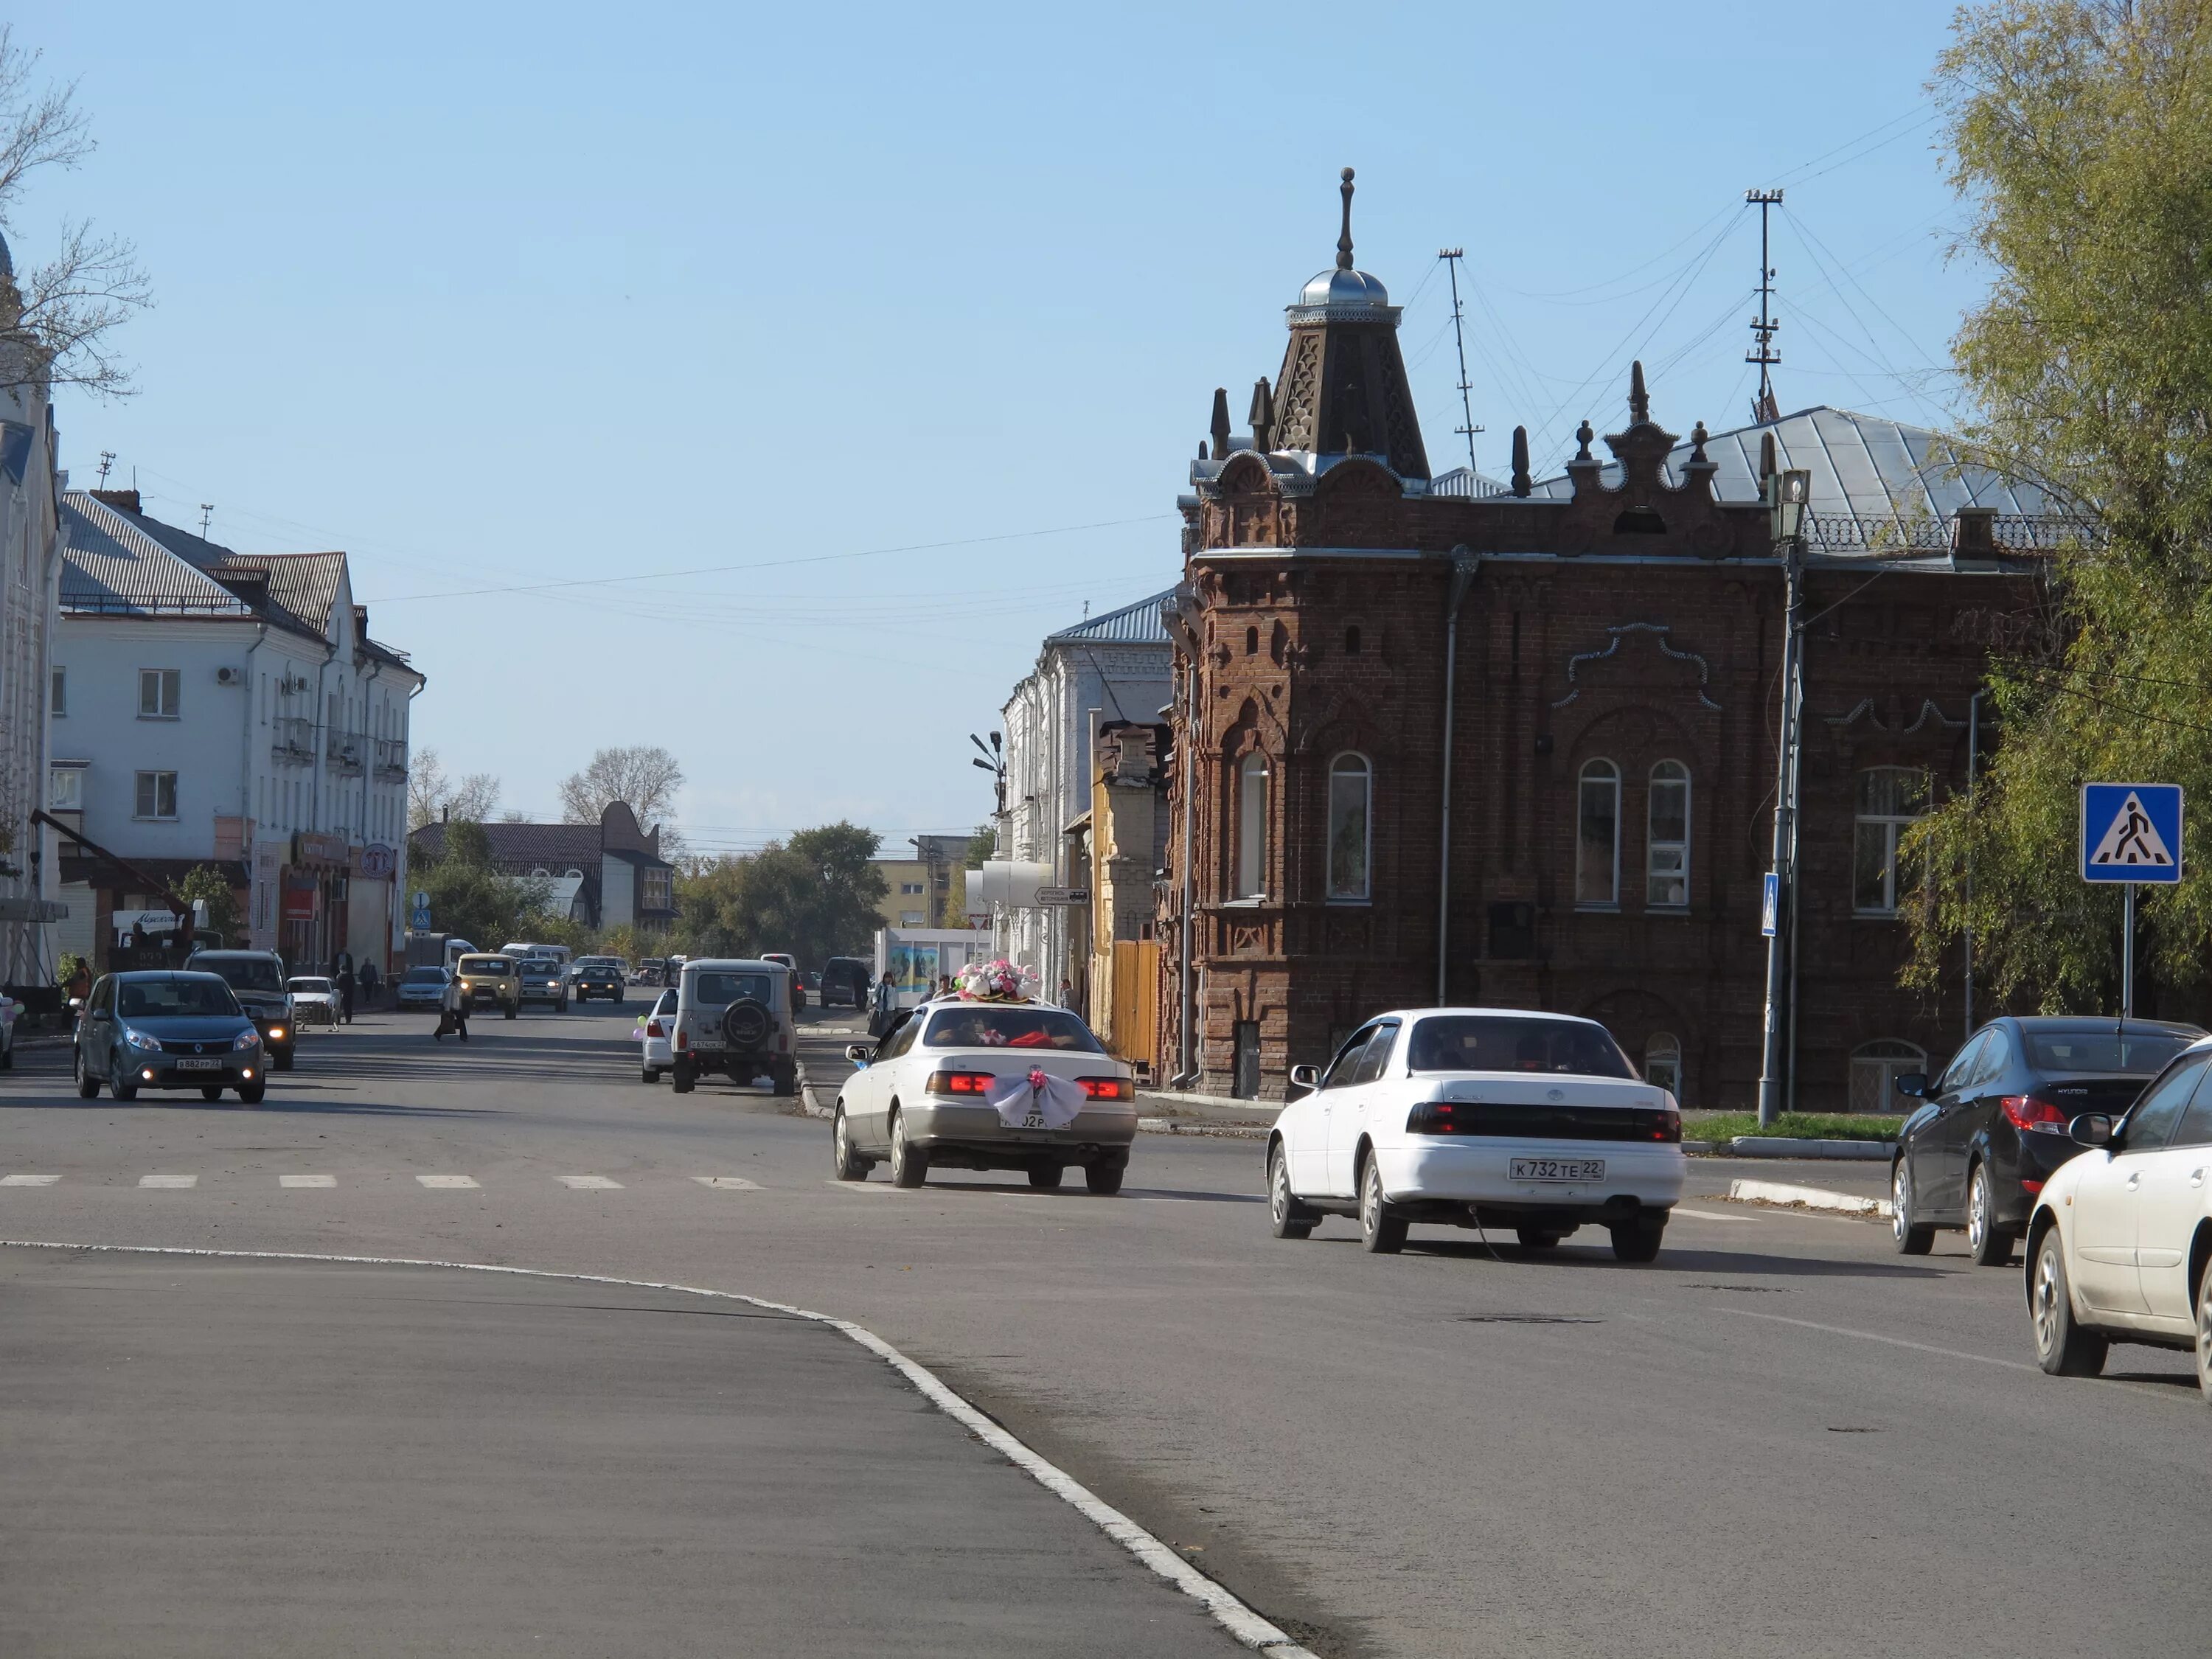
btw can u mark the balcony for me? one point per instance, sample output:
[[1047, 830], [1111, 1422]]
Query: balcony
[[391, 760], [292, 739], [344, 750]]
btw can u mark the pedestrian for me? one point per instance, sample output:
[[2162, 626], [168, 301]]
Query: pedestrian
[[454, 1009], [1067, 992], [369, 978], [944, 985], [345, 994]]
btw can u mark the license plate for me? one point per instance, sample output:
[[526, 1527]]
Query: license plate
[[1559, 1169], [199, 1066]]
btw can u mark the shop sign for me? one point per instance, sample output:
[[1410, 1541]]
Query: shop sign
[[300, 895], [317, 848], [375, 862]]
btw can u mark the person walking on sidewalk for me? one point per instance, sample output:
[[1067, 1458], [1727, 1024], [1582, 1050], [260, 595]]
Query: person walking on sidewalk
[[345, 995], [454, 1010], [369, 981]]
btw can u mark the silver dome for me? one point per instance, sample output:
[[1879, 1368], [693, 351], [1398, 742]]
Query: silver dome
[[1343, 287]]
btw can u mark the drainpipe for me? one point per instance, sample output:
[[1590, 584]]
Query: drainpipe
[[1465, 566], [1973, 766], [1187, 988]]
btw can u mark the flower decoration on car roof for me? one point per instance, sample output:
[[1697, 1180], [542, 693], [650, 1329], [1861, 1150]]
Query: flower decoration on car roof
[[990, 981]]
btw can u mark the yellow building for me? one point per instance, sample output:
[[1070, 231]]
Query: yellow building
[[906, 893]]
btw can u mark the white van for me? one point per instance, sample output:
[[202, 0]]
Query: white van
[[560, 953]]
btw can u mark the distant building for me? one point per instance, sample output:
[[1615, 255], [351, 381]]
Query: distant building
[[1123, 842], [906, 893], [608, 874]]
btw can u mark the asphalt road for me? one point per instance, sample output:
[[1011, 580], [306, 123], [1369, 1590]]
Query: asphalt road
[[1779, 1439]]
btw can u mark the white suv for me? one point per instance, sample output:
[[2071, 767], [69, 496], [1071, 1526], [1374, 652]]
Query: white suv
[[734, 1017]]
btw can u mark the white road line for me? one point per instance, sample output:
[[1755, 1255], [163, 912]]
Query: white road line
[[447, 1181], [1230, 1613], [1709, 1215], [728, 1183], [589, 1183], [176, 1182], [28, 1181], [1875, 1336], [859, 1186], [307, 1180]]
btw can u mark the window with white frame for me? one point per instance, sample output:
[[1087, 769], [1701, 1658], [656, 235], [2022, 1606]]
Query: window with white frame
[[1252, 826], [1597, 836], [1351, 793], [158, 692], [1890, 799], [910, 889], [1666, 838], [65, 788], [1875, 1067], [1662, 1063], [157, 795]]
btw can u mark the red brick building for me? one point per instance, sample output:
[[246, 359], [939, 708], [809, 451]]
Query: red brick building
[[1613, 704]]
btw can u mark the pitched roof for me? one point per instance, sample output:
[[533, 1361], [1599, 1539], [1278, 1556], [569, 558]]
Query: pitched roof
[[556, 846], [305, 584], [111, 566], [1132, 624]]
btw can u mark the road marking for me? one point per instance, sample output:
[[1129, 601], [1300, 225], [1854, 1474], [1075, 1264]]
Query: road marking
[[307, 1180], [447, 1181], [1875, 1336], [728, 1183], [859, 1186], [28, 1181], [177, 1182], [1232, 1614], [1707, 1215], [589, 1183]]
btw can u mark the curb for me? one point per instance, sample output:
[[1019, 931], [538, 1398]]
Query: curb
[[1168, 1126], [1806, 1198], [813, 1107], [1785, 1146]]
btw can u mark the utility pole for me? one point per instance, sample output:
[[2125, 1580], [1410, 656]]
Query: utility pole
[[106, 460], [1468, 428], [207, 512], [1788, 494], [1764, 410]]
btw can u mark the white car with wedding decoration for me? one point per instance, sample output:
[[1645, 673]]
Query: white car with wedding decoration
[[987, 1079], [1534, 1124]]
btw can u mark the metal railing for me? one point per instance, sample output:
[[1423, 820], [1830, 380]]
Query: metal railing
[[391, 757], [343, 751], [292, 737]]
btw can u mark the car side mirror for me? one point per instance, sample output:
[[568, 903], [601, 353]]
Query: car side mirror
[[1914, 1083], [2091, 1129], [859, 1053], [1304, 1079], [77, 1003]]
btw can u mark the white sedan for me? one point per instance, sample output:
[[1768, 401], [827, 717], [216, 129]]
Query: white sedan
[[2120, 1237], [314, 1000], [1485, 1117], [656, 1032]]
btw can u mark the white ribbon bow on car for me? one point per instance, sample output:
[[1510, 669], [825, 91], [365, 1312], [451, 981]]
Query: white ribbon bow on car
[[1037, 1100]]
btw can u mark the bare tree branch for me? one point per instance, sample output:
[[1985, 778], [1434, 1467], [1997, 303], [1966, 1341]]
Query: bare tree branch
[[644, 777]]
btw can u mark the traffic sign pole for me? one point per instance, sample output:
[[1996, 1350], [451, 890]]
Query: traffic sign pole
[[2131, 834], [2128, 955]]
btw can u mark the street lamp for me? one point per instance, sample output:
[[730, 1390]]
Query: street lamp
[[1787, 497]]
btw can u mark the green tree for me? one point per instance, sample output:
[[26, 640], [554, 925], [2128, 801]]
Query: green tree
[[224, 917], [816, 896], [470, 898], [2080, 135]]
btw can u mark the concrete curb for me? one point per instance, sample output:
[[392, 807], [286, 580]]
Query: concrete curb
[[1806, 1198], [814, 1108], [1169, 1126], [1785, 1146]]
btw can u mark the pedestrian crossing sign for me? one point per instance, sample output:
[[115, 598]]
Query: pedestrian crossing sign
[[2131, 832]]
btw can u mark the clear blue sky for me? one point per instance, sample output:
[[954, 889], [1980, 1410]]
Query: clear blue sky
[[496, 296]]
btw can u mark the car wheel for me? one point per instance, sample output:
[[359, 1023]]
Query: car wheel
[[1638, 1241], [845, 1161], [250, 1093], [2204, 1337], [786, 1083], [2063, 1346], [646, 1074], [88, 1085], [1912, 1238], [685, 1081], [284, 1060], [1286, 1216], [1537, 1238], [7, 1055], [1381, 1231], [211, 1092], [1045, 1176], [909, 1164], [1104, 1179], [117, 1086], [512, 1011], [1989, 1244]]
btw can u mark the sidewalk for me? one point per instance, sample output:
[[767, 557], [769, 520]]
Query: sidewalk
[[1168, 1111]]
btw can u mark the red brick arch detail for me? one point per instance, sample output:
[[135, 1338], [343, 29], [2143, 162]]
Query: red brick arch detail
[[1246, 474]]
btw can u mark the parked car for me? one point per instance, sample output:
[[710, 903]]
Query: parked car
[[167, 1030], [845, 980], [422, 988], [257, 979], [734, 1017], [2121, 1235], [785, 959], [486, 976], [1490, 1117], [986, 1085], [598, 977], [314, 1000], [650, 970], [543, 980], [656, 1033], [1993, 1129]]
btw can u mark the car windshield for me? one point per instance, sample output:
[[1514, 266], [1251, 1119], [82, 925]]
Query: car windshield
[[311, 985], [713, 986], [1490, 1043], [159, 999], [486, 967], [2119, 1052], [990, 1025], [242, 973]]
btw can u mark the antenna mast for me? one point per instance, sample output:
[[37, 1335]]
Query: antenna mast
[[1764, 410], [207, 512], [1451, 256]]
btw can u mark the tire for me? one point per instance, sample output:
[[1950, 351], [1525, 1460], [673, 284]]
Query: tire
[[250, 1093], [1639, 1240], [2205, 1338], [1989, 1244], [88, 1085], [2063, 1346], [646, 1074], [210, 1091], [786, 1083], [513, 1009], [685, 1081], [1104, 1179], [845, 1160], [1911, 1238], [1381, 1233], [1286, 1216], [1045, 1177], [283, 1060], [1537, 1238], [909, 1165], [7, 1056], [117, 1087]]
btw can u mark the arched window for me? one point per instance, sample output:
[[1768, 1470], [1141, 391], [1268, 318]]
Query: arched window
[[1666, 838], [1890, 798], [1875, 1067], [1252, 826], [1251, 641], [1597, 836], [1351, 792], [1352, 641], [1662, 1063]]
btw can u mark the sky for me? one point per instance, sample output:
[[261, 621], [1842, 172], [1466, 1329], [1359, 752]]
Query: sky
[[767, 382]]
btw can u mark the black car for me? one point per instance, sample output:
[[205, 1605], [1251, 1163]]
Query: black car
[[845, 979], [1993, 1127], [259, 980], [596, 976], [167, 1030]]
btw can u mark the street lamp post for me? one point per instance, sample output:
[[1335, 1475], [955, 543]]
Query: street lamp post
[[1787, 494]]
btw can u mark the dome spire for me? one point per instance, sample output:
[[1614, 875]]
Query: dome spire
[[1344, 240]]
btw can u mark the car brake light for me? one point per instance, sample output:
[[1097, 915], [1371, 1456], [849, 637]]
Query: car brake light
[[683, 1038], [2027, 1112], [958, 1083], [652, 1028], [783, 1042], [1106, 1088]]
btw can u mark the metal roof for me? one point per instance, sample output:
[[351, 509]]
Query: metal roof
[[1132, 624], [305, 584], [112, 566]]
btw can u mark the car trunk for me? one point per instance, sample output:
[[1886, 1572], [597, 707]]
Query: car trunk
[[1548, 1105], [2101, 1092]]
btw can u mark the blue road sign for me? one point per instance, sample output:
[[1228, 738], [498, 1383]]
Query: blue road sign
[[1770, 905], [420, 922], [2131, 832]]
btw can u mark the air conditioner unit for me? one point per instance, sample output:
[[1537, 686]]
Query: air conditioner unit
[[227, 675]]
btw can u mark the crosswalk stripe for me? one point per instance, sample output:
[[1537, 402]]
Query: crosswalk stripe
[[168, 1180], [447, 1181], [729, 1183], [594, 1183], [307, 1180], [27, 1180]]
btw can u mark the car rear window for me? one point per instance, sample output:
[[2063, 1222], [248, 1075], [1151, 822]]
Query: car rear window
[[2118, 1053], [990, 1025], [1494, 1042], [712, 987]]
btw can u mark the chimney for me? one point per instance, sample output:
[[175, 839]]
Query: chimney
[[127, 500]]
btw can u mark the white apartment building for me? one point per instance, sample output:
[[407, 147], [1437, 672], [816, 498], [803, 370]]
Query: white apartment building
[[1117, 666], [213, 707], [30, 561]]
